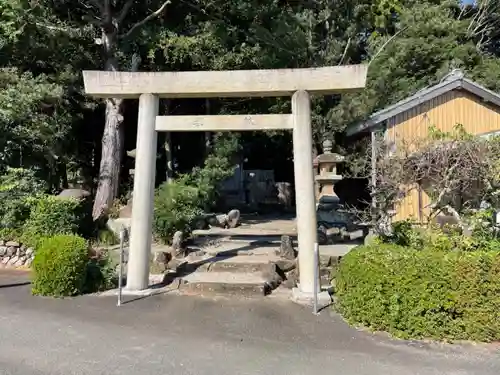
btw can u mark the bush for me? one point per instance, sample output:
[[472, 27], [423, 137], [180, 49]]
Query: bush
[[448, 295], [17, 188], [449, 238], [100, 274], [178, 203], [60, 265], [176, 206], [52, 215]]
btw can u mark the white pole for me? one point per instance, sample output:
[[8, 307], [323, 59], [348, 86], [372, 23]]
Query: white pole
[[304, 188], [316, 279], [120, 269], [144, 184]]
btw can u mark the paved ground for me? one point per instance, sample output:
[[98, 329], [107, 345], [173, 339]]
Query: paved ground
[[186, 335]]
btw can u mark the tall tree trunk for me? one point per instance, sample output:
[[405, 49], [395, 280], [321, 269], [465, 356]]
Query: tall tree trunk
[[112, 139], [111, 158]]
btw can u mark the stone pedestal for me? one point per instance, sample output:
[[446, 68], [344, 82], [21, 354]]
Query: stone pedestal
[[307, 299]]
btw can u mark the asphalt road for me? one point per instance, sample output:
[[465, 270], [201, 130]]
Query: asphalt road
[[187, 335]]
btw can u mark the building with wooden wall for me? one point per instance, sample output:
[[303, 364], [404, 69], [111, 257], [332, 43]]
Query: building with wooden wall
[[456, 100]]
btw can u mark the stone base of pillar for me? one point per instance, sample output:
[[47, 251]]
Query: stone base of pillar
[[307, 299]]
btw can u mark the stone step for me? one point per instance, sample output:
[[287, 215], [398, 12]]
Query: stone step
[[239, 264], [233, 248], [225, 283]]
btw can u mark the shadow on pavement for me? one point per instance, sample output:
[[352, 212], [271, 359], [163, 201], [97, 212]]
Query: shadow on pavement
[[22, 283]]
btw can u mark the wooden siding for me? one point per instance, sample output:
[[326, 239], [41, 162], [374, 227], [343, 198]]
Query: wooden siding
[[444, 112]]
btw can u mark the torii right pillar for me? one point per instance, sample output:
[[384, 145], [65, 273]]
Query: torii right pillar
[[304, 193]]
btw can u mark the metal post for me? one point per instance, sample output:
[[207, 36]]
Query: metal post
[[316, 279], [120, 269]]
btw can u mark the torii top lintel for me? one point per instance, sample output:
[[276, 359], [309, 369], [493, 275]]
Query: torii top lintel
[[228, 83]]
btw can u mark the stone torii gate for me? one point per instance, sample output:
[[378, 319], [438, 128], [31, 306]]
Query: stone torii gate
[[149, 87]]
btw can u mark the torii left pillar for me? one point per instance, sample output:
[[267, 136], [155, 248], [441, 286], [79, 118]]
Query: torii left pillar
[[144, 189]]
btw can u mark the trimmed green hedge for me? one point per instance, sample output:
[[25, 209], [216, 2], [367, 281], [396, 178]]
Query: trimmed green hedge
[[410, 293], [60, 266]]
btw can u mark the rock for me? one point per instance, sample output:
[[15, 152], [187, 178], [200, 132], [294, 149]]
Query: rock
[[286, 248], [2, 243], [272, 275], [21, 251], [370, 238], [13, 260], [176, 265], [233, 218], [159, 262], [28, 262], [74, 193], [116, 225], [5, 260], [125, 212], [221, 220], [12, 243], [177, 244], [29, 252], [292, 279], [286, 265], [161, 257], [201, 223], [20, 262], [3, 250], [11, 250]]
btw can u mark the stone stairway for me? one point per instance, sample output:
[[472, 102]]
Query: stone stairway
[[249, 266], [235, 268]]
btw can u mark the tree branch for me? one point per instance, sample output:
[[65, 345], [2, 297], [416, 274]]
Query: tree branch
[[151, 16], [345, 51], [99, 5], [124, 12], [70, 31], [386, 43]]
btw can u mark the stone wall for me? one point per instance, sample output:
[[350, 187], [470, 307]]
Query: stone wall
[[14, 255]]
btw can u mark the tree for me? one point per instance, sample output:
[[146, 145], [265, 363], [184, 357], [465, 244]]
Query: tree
[[112, 25], [456, 170]]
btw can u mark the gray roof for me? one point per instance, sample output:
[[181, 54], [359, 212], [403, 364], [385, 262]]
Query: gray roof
[[453, 81]]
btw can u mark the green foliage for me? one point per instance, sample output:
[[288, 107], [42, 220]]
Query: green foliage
[[404, 234], [59, 267], [107, 237], [46, 122], [449, 238], [218, 166], [10, 234], [100, 274], [53, 215], [179, 202], [445, 295], [17, 187]]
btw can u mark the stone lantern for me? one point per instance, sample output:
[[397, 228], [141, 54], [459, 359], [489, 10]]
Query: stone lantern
[[325, 171]]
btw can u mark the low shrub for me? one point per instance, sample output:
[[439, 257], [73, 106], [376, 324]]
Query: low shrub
[[17, 188], [100, 274], [60, 266], [177, 204], [481, 235], [51, 215], [427, 293], [10, 234]]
